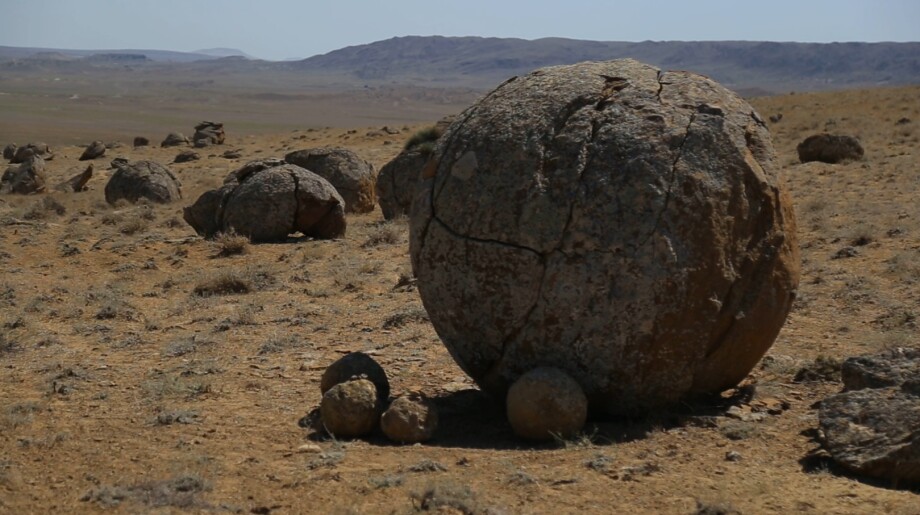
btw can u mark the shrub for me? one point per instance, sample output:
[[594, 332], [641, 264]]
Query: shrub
[[427, 135]]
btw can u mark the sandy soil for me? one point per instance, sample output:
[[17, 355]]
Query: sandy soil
[[121, 390]]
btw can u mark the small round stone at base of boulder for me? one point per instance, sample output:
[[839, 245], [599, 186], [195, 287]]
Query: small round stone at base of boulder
[[350, 409], [356, 365], [410, 419], [546, 403]]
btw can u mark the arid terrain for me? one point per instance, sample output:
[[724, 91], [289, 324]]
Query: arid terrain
[[131, 383]]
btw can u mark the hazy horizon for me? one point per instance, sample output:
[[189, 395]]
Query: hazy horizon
[[286, 29]]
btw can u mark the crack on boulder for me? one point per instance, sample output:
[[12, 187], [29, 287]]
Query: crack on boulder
[[296, 202], [456, 234], [660, 85], [671, 178]]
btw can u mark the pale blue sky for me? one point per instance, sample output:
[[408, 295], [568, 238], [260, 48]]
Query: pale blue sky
[[279, 29]]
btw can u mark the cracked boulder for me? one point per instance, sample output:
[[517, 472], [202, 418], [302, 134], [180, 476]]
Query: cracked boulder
[[623, 224], [22, 154], [353, 177], [208, 133], [142, 179], [267, 200], [873, 426]]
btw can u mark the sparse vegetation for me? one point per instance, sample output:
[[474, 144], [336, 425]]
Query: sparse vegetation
[[230, 243], [424, 140]]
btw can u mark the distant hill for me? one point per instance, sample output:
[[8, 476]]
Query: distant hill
[[166, 56], [743, 65], [474, 63], [223, 52]]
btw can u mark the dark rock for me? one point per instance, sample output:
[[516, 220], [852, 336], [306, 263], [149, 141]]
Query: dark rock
[[186, 156], [174, 139], [775, 118], [874, 432], [829, 148], [267, 200], [94, 150], [76, 183], [232, 154], [353, 177], [26, 179], [356, 365], [892, 368], [902, 121], [350, 409], [9, 151], [546, 403], [143, 179], [32, 149], [118, 162], [621, 223], [140, 141]]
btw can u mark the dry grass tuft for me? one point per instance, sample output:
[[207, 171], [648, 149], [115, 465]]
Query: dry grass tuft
[[230, 243]]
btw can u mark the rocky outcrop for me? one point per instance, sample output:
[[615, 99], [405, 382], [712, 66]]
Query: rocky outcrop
[[26, 178], [873, 427], [353, 177], [94, 150], [32, 149], [142, 179], [624, 224], [9, 151], [829, 148], [267, 200], [77, 183], [208, 133], [186, 156]]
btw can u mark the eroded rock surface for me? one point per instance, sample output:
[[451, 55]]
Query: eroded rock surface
[[353, 177], [624, 224], [143, 179], [267, 200], [873, 426], [26, 178], [94, 150]]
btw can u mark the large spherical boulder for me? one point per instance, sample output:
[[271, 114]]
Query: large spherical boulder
[[267, 200], [353, 177], [621, 223], [398, 178], [143, 179], [546, 403]]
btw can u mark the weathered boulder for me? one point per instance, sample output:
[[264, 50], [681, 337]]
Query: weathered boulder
[[186, 156], [352, 177], [140, 141], [546, 403], [142, 179], [26, 178], [9, 151], [174, 139], [76, 183], [94, 150], [398, 178], [32, 149], [621, 223], [208, 133], [350, 409], [873, 426], [410, 419], [829, 148], [266, 201], [356, 365]]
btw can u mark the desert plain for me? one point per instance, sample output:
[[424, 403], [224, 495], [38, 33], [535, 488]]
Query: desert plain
[[131, 381]]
